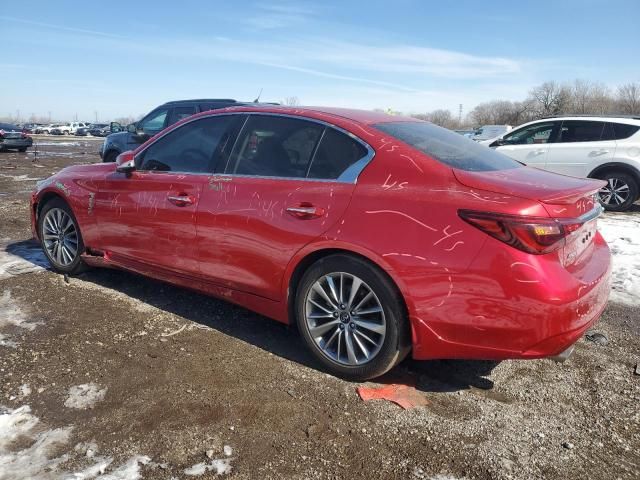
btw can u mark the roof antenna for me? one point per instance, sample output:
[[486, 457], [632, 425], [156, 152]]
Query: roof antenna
[[258, 97]]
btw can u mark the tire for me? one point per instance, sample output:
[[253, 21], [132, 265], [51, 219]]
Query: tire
[[22, 149], [55, 214], [620, 192], [110, 156], [389, 341], [66, 132]]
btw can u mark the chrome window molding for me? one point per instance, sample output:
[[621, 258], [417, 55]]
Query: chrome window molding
[[350, 175]]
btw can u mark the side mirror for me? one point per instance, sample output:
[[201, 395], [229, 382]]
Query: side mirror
[[498, 142], [115, 127], [125, 163], [132, 128]]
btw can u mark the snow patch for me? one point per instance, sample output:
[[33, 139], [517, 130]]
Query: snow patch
[[220, 466], [38, 461], [21, 258], [20, 178], [85, 396], [621, 231], [11, 315]]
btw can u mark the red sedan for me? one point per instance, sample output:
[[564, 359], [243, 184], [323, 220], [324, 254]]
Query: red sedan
[[377, 235]]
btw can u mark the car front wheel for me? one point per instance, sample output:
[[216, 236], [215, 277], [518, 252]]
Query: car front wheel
[[60, 237], [620, 192], [350, 316]]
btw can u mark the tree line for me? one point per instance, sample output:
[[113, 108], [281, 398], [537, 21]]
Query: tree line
[[550, 98]]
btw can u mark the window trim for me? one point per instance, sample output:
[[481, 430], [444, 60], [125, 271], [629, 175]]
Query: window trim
[[604, 128], [350, 175], [553, 137]]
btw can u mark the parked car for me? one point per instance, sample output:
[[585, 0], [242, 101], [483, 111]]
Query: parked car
[[99, 130], [595, 147], [466, 133], [128, 138], [46, 129], [13, 137], [375, 234], [488, 132], [60, 129]]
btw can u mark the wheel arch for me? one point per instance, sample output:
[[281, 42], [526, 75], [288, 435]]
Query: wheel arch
[[45, 198], [110, 151], [615, 166], [299, 265]]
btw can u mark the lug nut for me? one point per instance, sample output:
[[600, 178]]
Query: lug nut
[[335, 314]]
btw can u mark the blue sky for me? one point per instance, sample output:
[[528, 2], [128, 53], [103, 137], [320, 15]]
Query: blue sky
[[124, 58]]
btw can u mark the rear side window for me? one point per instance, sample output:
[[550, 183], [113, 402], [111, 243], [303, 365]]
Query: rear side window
[[270, 146], [448, 147], [581, 131], [335, 154], [178, 113], [619, 131], [193, 148], [537, 133]]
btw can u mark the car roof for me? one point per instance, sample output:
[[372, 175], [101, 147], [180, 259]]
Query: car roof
[[366, 117], [201, 100]]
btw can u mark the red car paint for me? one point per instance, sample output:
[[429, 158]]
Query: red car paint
[[468, 295]]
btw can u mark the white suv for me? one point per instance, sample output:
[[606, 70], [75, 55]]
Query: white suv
[[597, 147]]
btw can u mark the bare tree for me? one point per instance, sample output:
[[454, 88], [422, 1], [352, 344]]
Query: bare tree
[[291, 101], [550, 98], [628, 98], [591, 98]]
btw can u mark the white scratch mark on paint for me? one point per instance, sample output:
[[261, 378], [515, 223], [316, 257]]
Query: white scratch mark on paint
[[412, 161], [447, 234], [394, 212]]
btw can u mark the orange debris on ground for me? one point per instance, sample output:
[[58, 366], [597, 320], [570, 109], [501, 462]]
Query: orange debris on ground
[[404, 395]]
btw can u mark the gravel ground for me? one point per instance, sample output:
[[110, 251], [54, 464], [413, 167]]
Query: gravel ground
[[126, 377]]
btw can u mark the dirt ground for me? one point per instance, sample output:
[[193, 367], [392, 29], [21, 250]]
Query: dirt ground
[[174, 384]]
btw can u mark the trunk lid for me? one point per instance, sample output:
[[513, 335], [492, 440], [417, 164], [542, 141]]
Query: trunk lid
[[570, 200]]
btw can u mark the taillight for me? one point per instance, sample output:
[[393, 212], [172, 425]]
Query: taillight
[[535, 235], [1, 133], [24, 134]]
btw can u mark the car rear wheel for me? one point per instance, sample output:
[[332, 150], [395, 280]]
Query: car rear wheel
[[22, 149], [60, 237], [66, 132], [351, 317], [620, 192]]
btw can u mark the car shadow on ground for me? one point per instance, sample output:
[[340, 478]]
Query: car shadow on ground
[[269, 335]]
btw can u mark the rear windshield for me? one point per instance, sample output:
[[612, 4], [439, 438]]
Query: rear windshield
[[448, 147]]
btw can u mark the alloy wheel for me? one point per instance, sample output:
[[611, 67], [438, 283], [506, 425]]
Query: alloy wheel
[[60, 237], [345, 319], [615, 192]]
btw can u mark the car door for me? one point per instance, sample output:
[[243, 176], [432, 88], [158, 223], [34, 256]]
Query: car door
[[530, 143], [149, 216], [287, 181], [580, 145]]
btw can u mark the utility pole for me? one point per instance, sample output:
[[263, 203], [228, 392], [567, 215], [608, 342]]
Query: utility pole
[[460, 114], [49, 117]]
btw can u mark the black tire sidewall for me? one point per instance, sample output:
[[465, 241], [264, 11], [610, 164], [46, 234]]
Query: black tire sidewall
[[633, 191], [77, 265], [110, 156], [396, 340]]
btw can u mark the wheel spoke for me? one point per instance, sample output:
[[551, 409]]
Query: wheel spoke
[[362, 348], [320, 306], [366, 337], [320, 291], [355, 286], [371, 326], [329, 342], [315, 316], [368, 311], [332, 288], [320, 330], [364, 300], [72, 250], [351, 354]]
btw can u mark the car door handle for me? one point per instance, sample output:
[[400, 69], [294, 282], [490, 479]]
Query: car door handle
[[305, 212], [539, 152], [602, 151], [181, 200]]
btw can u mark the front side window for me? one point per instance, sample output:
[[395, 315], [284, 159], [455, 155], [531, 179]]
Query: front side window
[[271, 146], [195, 147], [580, 131], [532, 135], [154, 122], [448, 147]]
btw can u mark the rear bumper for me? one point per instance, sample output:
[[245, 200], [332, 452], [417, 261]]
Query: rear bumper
[[495, 312], [16, 142]]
